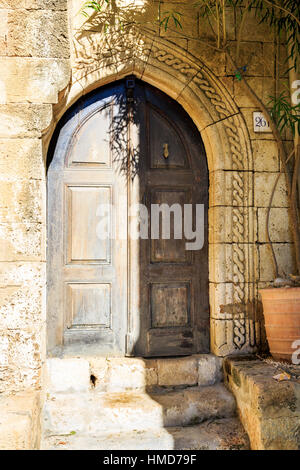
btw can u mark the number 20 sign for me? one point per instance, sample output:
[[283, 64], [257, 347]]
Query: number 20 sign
[[260, 123]]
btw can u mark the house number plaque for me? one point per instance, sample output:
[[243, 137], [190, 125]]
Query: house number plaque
[[260, 123]]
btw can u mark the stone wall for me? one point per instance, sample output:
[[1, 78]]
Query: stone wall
[[34, 67], [46, 63], [268, 409]]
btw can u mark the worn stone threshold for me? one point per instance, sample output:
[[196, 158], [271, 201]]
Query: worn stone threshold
[[116, 374]]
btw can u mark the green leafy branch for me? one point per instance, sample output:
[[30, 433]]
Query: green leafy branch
[[284, 114], [172, 15], [284, 17], [97, 6]]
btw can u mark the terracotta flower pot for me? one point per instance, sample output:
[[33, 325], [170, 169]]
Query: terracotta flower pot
[[282, 320]]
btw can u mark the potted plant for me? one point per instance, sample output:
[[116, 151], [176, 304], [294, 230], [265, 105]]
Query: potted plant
[[281, 301]]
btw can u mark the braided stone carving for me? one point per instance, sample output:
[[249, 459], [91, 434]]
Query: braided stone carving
[[203, 82]]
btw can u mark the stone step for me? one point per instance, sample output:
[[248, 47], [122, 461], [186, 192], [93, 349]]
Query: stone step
[[221, 434], [94, 412], [121, 374], [195, 405]]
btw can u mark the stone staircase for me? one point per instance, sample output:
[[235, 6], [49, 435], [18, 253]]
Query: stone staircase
[[132, 403]]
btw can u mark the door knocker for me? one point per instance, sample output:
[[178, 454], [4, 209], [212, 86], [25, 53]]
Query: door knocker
[[166, 151]]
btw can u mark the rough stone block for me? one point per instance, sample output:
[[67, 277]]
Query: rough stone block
[[183, 371], [269, 410], [126, 411], [24, 120], [15, 432], [21, 159], [209, 369], [251, 53], [195, 404], [252, 30], [210, 58], [37, 33], [22, 302], [68, 375], [279, 225], [223, 434], [20, 350], [263, 185], [284, 253], [20, 359], [268, 58], [10, 4], [17, 274], [205, 31], [138, 440], [264, 87], [265, 155], [22, 242], [123, 374], [19, 421], [103, 412], [131, 374], [22, 201], [127, 374], [67, 414], [151, 372], [3, 32], [46, 4], [99, 368], [32, 80]]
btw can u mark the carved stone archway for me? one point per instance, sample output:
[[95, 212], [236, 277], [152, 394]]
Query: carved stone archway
[[232, 279]]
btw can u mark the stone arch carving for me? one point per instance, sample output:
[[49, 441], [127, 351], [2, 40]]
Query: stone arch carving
[[234, 326]]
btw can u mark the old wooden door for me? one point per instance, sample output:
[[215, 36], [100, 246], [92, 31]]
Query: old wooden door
[[173, 280], [123, 145]]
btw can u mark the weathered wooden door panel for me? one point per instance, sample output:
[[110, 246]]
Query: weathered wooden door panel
[[173, 293], [87, 273], [106, 292]]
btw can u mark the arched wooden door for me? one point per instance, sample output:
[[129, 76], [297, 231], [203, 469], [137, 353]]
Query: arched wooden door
[[110, 292]]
